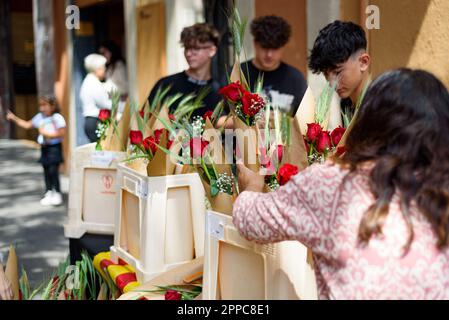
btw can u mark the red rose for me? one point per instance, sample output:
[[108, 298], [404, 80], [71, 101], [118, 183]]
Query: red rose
[[323, 142], [340, 151], [336, 135], [233, 92], [208, 114], [169, 144], [104, 115], [150, 144], [142, 113], [307, 145], [172, 117], [157, 135], [197, 147], [172, 295], [251, 104], [136, 137], [286, 172], [313, 131], [280, 152]]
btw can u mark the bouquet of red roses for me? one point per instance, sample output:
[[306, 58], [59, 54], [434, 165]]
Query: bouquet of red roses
[[112, 134]]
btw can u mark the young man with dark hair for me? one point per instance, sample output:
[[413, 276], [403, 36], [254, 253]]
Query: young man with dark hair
[[283, 84], [200, 43], [340, 54]]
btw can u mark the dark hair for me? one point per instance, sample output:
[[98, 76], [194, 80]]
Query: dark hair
[[116, 52], [271, 32], [200, 32], [335, 44], [52, 101], [403, 127]]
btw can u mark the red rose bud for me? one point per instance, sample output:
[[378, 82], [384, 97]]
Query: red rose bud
[[136, 137], [340, 151], [172, 117], [232, 92], [142, 113], [157, 135], [197, 147], [172, 295], [286, 172], [307, 145], [313, 131], [323, 142], [336, 135], [169, 144], [104, 115], [252, 104], [150, 144], [208, 114], [280, 152]]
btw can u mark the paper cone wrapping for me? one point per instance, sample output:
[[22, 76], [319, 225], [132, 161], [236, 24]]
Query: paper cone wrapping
[[172, 277], [213, 136], [238, 75], [306, 111], [296, 152], [12, 273], [222, 202], [117, 140], [247, 145], [139, 165], [162, 163]]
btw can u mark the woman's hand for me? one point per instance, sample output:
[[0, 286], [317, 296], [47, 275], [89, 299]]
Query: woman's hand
[[248, 180], [5, 286]]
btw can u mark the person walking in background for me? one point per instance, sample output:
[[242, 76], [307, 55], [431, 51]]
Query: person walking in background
[[115, 67], [377, 220], [94, 94], [283, 84], [52, 130]]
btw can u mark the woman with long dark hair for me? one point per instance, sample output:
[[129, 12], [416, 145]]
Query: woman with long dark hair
[[116, 72], [377, 220]]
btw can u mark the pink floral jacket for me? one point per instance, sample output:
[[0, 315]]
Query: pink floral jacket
[[323, 210]]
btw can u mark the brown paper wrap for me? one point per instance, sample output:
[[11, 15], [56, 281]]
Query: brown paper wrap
[[162, 163], [175, 276], [12, 272], [296, 153], [247, 145], [118, 140]]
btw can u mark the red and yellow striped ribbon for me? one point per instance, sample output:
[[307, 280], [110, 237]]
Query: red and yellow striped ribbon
[[122, 274]]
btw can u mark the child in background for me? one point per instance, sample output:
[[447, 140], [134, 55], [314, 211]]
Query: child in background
[[52, 129]]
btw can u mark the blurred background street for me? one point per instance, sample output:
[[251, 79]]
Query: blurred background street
[[36, 231]]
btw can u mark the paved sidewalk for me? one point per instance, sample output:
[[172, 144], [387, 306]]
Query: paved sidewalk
[[36, 231]]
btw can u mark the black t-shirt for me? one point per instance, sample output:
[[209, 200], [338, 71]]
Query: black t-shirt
[[182, 83], [285, 86]]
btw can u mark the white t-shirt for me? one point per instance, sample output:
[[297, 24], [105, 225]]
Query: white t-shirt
[[94, 96], [51, 125]]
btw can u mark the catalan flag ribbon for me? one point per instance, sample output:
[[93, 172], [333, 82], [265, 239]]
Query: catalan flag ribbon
[[122, 274]]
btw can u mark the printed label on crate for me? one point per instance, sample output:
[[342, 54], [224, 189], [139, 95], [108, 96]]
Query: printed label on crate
[[215, 227], [102, 158]]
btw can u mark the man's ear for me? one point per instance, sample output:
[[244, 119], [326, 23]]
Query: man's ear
[[365, 62], [213, 52]]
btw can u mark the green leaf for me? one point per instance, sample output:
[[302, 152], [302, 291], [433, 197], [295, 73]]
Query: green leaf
[[213, 188]]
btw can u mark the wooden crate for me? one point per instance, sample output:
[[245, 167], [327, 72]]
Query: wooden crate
[[160, 223], [236, 269], [92, 192]]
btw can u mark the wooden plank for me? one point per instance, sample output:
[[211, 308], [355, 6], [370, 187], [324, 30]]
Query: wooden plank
[[151, 48], [44, 47]]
